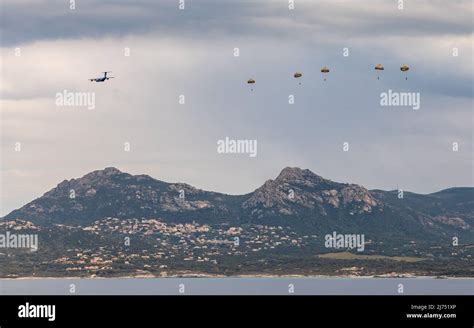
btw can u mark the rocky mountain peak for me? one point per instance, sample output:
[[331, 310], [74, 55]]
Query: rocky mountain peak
[[296, 190], [295, 174], [87, 183], [112, 193], [290, 173], [99, 176], [107, 172]]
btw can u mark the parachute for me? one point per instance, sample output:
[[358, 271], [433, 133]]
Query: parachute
[[404, 68], [297, 75], [379, 67], [251, 81], [325, 70]]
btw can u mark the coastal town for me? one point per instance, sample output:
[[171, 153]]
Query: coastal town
[[141, 245], [151, 247], [181, 242]]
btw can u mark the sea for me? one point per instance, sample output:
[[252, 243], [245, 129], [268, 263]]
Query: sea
[[238, 286]]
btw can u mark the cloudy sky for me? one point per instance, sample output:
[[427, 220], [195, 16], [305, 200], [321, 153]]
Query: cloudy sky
[[47, 48]]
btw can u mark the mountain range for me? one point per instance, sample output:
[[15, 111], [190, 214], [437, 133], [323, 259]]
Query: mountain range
[[110, 223], [298, 198]]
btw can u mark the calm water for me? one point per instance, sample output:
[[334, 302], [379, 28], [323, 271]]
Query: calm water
[[238, 286]]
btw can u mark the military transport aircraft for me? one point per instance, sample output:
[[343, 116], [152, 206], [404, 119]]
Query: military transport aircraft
[[103, 78]]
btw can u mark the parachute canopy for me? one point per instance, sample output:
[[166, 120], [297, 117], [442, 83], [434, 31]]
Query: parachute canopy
[[379, 67], [324, 70], [404, 68], [298, 75]]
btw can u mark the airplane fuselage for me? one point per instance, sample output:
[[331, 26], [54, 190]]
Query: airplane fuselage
[[102, 79]]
